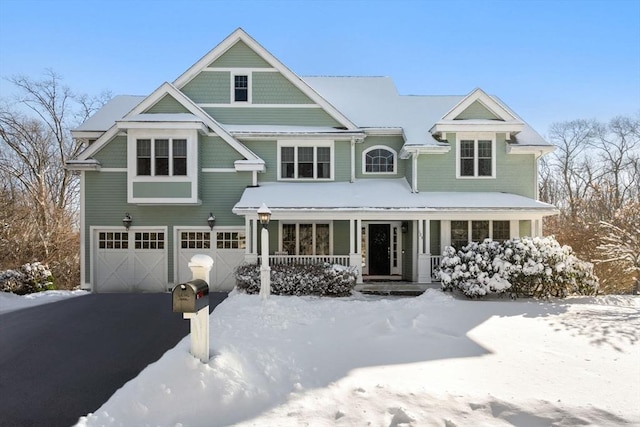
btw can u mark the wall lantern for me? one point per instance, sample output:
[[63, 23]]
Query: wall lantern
[[126, 221], [264, 214], [211, 220], [405, 226]]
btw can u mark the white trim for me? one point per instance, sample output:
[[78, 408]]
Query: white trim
[[491, 104], [86, 134], [114, 170], [131, 124], [475, 126], [306, 143], [249, 165], [538, 150], [82, 165], [83, 235], [225, 170], [241, 35], [476, 136], [244, 104], [380, 147]]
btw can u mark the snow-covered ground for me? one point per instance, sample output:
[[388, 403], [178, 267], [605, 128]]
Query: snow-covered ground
[[11, 302], [433, 360]]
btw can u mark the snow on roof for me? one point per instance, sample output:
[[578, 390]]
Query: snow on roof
[[375, 102], [374, 194], [113, 110]]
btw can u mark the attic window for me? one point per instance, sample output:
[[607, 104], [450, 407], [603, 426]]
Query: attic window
[[379, 159], [241, 88]]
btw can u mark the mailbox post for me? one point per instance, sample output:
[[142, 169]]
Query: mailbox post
[[192, 300]]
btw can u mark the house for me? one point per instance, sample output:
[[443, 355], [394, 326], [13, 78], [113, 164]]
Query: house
[[353, 172]]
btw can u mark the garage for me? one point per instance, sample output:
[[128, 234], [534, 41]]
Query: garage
[[225, 245], [130, 261]]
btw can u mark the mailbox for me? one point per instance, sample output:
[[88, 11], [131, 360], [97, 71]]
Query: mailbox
[[190, 297]]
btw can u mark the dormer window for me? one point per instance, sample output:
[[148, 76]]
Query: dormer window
[[241, 88], [163, 156]]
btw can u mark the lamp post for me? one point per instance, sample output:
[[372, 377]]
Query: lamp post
[[264, 214]]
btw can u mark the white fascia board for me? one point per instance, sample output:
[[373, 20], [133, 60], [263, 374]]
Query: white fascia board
[[241, 35], [530, 149], [82, 165], [249, 165], [488, 102], [407, 151], [86, 134], [199, 126], [461, 126], [384, 131]]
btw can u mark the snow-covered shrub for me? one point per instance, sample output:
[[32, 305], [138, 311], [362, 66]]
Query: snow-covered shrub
[[315, 279], [30, 278], [537, 267]]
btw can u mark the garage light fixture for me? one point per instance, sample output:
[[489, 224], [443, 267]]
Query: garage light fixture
[[126, 221], [211, 220]]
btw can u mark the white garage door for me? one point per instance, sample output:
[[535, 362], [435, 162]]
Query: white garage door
[[225, 246], [133, 261]]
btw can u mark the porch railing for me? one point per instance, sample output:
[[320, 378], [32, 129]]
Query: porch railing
[[435, 263], [309, 259]]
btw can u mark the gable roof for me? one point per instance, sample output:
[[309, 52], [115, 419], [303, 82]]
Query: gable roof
[[164, 90], [240, 35]]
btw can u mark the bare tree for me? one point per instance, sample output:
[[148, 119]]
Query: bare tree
[[35, 143]]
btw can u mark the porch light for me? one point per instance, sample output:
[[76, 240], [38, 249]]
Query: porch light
[[211, 220], [126, 221], [404, 227], [264, 214]]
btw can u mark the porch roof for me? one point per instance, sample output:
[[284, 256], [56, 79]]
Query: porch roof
[[376, 195]]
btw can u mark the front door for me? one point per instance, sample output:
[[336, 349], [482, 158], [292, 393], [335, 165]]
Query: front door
[[379, 249]]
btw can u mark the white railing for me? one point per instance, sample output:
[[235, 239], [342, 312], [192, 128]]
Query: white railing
[[309, 259], [435, 263]]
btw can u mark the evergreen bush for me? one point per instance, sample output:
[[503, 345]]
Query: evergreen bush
[[28, 279], [313, 279], [532, 267]]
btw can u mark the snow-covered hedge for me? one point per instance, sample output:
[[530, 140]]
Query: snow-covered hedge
[[536, 267], [29, 278], [315, 279]]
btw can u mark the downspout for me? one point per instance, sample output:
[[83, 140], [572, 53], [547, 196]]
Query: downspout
[[353, 159]]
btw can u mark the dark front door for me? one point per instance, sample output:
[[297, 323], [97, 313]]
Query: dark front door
[[379, 249]]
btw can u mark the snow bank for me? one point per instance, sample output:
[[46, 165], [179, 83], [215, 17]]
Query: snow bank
[[430, 360], [11, 302]]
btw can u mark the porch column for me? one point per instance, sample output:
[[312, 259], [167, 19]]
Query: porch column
[[445, 234], [355, 250], [424, 257], [514, 228]]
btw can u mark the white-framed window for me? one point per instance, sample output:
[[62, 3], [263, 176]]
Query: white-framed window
[[305, 160], [379, 159], [161, 157], [195, 240], [241, 87], [305, 238], [230, 240], [476, 155], [465, 232]]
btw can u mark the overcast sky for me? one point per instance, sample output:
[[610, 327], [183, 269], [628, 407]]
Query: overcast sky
[[548, 60]]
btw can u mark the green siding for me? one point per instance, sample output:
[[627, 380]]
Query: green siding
[[106, 203], [514, 172], [394, 142], [274, 88], [217, 153], [210, 87], [525, 228], [240, 55], [342, 157], [167, 104], [477, 111], [341, 238], [113, 154], [168, 190], [272, 116]]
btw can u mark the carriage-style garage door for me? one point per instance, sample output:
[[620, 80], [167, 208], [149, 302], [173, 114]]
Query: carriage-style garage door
[[133, 261], [225, 246]]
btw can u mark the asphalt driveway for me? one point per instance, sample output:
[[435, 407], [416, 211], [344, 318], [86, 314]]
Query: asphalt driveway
[[62, 360]]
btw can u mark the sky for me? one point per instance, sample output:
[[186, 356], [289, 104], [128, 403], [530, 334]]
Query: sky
[[550, 61]]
